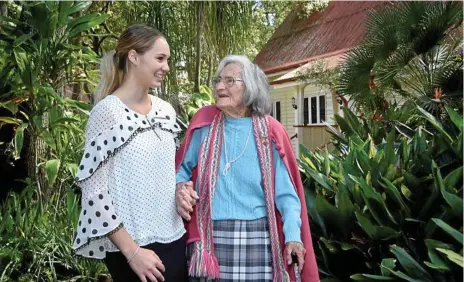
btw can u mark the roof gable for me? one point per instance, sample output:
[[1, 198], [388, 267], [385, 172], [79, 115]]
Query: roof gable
[[338, 27]]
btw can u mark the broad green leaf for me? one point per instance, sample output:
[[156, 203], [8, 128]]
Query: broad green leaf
[[78, 105], [305, 156], [21, 58], [387, 263], [72, 168], [438, 180], [437, 124], [321, 179], [436, 262], [10, 120], [97, 20], [370, 277], [455, 118], [316, 218], [328, 212], [452, 256], [430, 200], [452, 200], [48, 139], [372, 149], [70, 202], [19, 139], [439, 267], [411, 181], [329, 244], [79, 6], [403, 275], [390, 156], [343, 125], [375, 232], [345, 207], [37, 120], [347, 247], [448, 229], [391, 172], [353, 121], [374, 202], [336, 133], [326, 162], [410, 265], [455, 202], [406, 192], [452, 179], [419, 142], [21, 39], [395, 195], [63, 12], [10, 105], [51, 168]]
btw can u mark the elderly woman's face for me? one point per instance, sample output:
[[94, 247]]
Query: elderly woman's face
[[229, 91]]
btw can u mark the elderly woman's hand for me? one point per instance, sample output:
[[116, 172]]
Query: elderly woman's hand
[[297, 249], [186, 198]]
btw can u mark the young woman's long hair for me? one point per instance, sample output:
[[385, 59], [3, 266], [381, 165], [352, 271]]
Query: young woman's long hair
[[114, 65]]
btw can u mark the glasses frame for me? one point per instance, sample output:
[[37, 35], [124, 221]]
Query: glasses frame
[[217, 79]]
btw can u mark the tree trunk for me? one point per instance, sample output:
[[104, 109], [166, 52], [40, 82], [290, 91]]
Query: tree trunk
[[35, 151], [210, 71], [3, 8], [198, 46]]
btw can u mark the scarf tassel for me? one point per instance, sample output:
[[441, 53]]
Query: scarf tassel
[[203, 264]]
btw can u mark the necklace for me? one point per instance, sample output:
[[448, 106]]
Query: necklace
[[229, 163]]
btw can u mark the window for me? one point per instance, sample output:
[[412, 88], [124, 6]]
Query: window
[[306, 111], [314, 110], [276, 110]]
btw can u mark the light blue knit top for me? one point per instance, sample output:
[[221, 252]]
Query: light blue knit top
[[239, 194]]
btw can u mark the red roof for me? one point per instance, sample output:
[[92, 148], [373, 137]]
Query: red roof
[[340, 26]]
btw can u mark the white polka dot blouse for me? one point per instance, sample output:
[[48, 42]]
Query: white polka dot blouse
[[127, 177]]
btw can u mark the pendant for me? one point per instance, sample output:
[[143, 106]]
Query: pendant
[[226, 169]]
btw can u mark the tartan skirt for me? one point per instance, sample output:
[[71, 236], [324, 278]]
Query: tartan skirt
[[243, 250]]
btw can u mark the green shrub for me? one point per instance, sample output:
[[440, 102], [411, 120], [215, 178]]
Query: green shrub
[[391, 210]]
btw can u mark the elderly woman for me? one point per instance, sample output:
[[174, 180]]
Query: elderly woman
[[251, 213]]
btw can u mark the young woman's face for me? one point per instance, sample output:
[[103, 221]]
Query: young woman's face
[[151, 67]]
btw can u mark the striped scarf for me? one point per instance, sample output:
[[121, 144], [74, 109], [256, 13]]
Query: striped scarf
[[203, 262]]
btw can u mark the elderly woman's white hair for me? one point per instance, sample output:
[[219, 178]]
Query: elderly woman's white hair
[[256, 96]]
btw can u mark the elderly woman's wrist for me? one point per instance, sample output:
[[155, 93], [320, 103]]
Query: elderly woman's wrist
[[293, 237]]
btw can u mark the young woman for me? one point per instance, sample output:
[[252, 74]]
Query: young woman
[[127, 173]]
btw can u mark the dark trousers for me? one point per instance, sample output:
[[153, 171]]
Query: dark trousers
[[172, 255]]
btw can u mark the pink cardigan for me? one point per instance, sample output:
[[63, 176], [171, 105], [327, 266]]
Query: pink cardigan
[[279, 136]]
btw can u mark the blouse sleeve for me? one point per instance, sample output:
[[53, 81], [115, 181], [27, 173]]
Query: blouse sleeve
[[98, 218], [190, 160]]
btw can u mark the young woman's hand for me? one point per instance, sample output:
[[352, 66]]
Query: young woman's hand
[[147, 265]]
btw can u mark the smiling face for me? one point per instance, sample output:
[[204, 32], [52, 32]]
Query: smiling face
[[229, 96], [151, 66]]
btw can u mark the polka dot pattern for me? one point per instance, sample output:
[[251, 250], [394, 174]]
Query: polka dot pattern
[[127, 177]]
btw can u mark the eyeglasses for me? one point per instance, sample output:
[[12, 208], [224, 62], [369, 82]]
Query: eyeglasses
[[228, 81]]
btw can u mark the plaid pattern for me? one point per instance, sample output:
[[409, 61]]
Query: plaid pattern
[[243, 250]]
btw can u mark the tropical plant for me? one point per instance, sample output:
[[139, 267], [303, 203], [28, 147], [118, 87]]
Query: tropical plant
[[197, 100], [36, 237], [39, 66], [412, 51], [388, 210]]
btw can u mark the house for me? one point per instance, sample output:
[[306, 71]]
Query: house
[[296, 45]]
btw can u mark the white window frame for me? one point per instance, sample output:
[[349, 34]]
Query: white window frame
[[318, 108], [274, 107]]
